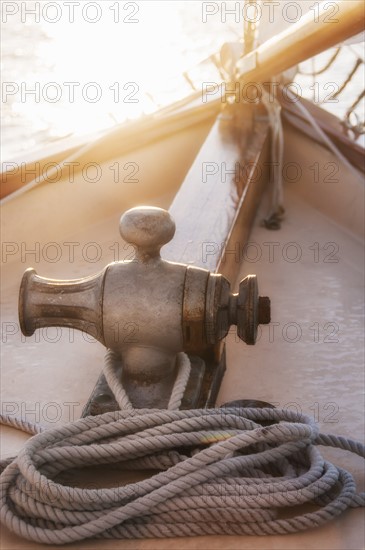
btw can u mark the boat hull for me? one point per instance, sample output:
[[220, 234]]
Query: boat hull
[[308, 359]]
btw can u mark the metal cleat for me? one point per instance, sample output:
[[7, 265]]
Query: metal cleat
[[167, 307]]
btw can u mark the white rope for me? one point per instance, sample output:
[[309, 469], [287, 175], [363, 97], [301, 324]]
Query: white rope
[[112, 362], [218, 471], [21, 424], [182, 378]]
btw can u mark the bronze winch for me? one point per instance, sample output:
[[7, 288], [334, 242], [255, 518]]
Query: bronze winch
[[171, 308]]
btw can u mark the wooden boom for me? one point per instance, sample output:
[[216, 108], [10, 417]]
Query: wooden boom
[[317, 31]]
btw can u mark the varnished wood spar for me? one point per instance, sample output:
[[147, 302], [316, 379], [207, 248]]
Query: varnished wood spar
[[320, 29], [215, 206]]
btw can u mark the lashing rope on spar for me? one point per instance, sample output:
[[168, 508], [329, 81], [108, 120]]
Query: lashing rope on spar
[[219, 471]]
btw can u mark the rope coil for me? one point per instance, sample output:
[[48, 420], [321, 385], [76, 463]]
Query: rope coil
[[218, 472]]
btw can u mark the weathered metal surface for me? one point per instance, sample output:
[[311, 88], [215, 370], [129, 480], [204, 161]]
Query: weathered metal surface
[[251, 310], [170, 307], [194, 300], [219, 300], [47, 302]]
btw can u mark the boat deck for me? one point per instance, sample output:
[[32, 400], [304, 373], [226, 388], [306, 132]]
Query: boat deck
[[309, 359]]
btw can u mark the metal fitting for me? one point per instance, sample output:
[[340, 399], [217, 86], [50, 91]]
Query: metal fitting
[[171, 307]]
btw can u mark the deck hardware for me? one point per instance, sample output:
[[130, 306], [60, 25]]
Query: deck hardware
[[148, 309]]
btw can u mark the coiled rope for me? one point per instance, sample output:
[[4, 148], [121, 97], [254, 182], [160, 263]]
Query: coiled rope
[[218, 471]]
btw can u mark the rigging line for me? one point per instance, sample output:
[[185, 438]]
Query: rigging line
[[324, 69], [355, 103], [348, 79], [356, 54]]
